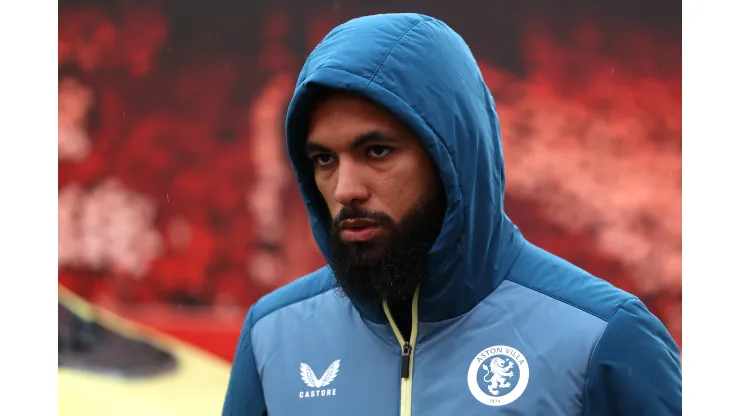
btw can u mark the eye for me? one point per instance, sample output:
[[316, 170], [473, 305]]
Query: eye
[[322, 160], [378, 152]]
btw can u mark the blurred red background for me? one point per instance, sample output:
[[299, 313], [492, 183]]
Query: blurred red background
[[177, 205]]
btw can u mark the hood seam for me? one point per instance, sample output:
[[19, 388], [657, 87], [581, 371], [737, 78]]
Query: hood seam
[[387, 54]]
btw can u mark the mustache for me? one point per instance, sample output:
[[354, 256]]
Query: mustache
[[348, 213]]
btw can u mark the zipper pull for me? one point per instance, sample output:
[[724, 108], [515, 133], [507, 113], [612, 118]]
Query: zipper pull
[[405, 360]]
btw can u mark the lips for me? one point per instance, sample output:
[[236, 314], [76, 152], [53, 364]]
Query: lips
[[358, 229], [357, 223]]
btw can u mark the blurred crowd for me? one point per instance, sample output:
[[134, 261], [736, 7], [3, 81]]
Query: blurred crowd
[[174, 186]]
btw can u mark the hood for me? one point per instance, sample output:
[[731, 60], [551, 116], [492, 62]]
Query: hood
[[419, 69]]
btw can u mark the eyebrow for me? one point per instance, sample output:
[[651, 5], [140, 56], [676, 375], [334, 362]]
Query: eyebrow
[[359, 141]]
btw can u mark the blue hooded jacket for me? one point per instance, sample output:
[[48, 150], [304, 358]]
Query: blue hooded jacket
[[499, 326]]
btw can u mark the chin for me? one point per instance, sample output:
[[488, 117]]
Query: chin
[[367, 252], [377, 243]]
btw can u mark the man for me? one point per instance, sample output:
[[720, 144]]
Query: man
[[433, 303]]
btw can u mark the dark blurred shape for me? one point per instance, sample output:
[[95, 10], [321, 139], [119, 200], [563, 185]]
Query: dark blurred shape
[[88, 346]]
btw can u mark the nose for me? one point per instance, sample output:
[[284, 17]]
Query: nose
[[351, 188]]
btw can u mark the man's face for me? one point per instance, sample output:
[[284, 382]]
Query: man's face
[[383, 193]]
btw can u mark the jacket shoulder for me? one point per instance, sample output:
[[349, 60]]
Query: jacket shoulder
[[634, 339], [299, 290], [561, 280]]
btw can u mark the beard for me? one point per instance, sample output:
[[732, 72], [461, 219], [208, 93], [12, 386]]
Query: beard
[[390, 266]]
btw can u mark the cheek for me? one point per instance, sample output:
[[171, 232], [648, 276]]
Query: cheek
[[400, 191], [334, 209], [420, 180], [326, 188]]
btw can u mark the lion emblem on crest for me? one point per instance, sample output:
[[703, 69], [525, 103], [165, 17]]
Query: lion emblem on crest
[[497, 374]]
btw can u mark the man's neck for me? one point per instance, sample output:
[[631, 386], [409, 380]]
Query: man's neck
[[401, 312]]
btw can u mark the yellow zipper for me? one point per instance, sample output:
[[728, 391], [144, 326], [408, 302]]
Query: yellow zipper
[[407, 352]]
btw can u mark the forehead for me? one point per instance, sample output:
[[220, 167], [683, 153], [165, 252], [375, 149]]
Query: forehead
[[338, 117]]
